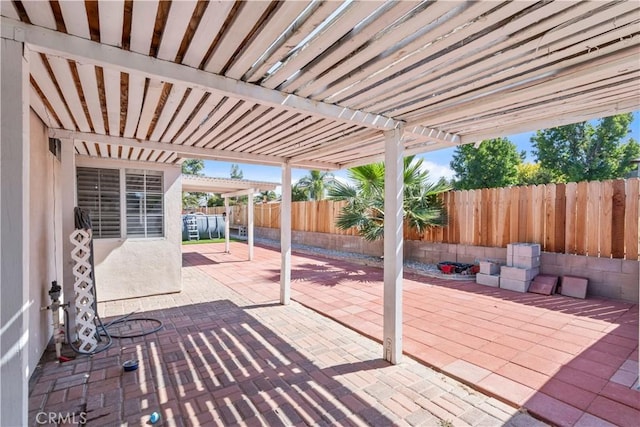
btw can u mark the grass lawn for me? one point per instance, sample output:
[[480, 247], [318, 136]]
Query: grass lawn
[[197, 242]]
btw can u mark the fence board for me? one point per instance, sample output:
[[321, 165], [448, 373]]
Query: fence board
[[549, 242], [581, 219], [593, 218], [617, 219], [514, 214], [504, 218], [571, 191], [483, 207], [560, 214], [631, 219], [605, 220]]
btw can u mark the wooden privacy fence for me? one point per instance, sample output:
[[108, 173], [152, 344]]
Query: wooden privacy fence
[[586, 218]]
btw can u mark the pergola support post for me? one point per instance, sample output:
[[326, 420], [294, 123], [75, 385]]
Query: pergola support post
[[226, 224], [393, 245], [250, 224], [15, 305], [285, 236], [68, 203]]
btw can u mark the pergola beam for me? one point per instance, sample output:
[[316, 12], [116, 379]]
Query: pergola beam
[[85, 51], [423, 133], [186, 150], [239, 193]]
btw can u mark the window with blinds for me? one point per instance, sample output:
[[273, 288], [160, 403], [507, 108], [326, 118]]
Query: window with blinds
[[99, 194], [144, 201]]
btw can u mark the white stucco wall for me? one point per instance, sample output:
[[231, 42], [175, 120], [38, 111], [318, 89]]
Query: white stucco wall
[[44, 225], [134, 267]]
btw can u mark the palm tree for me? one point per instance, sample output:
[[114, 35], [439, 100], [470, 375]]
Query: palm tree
[[267, 196], [364, 210], [316, 184]]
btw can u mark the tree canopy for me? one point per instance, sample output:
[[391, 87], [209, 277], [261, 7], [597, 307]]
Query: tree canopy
[[236, 172], [586, 152], [493, 164], [193, 167], [422, 208]]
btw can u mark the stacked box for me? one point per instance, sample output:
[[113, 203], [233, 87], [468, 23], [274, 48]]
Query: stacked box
[[523, 255], [488, 280], [514, 285], [489, 268]]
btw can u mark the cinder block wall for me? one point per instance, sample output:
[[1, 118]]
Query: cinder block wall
[[610, 278], [335, 242]]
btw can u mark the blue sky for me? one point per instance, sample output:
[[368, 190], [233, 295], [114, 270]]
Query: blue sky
[[436, 161]]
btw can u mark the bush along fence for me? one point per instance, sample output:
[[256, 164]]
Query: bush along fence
[[598, 219]]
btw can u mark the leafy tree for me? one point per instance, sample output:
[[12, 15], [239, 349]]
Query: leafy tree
[[215, 200], [533, 174], [236, 172], [584, 152], [316, 184], [193, 167], [190, 200], [493, 164], [299, 194], [422, 208]]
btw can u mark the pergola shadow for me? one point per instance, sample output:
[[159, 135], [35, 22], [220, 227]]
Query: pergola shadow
[[212, 363]]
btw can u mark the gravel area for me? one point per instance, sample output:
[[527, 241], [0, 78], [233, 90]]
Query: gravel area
[[430, 270]]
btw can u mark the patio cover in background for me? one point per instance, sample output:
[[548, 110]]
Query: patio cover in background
[[229, 187], [311, 84]]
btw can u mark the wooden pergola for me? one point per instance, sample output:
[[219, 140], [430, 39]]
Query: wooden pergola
[[309, 84]]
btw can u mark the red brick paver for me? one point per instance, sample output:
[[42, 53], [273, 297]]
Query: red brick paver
[[222, 359], [569, 361]]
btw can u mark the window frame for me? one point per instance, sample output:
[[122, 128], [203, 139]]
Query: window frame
[[123, 216], [98, 220], [161, 192]]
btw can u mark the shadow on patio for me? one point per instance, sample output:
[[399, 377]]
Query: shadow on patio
[[211, 362], [567, 360], [222, 360]]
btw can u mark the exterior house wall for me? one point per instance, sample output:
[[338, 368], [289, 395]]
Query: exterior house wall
[[45, 260], [135, 267]]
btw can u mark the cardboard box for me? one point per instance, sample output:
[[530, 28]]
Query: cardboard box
[[515, 285], [488, 267], [523, 274], [488, 280]]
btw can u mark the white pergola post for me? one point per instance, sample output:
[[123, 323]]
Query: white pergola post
[[393, 245], [226, 225], [250, 224], [285, 236], [14, 235], [67, 205]]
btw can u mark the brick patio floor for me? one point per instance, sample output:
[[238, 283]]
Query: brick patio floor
[[228, 355], [568, 361]]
